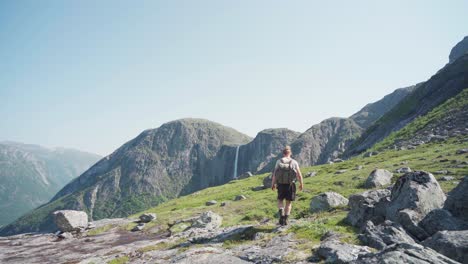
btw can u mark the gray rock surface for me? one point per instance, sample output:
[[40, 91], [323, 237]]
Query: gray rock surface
[[240, 197], [383, 235], [332, 250], [457, 201], [267, 181], [274, 251], [326, 201], [459, 50], [439, 220], [378, 178], [453, 244], [70, 220], [147, 217], [207, 220], [403, 170], [405, 253], [364, 207], [212, 202]]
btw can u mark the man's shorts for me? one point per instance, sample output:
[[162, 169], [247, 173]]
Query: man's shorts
[[287, 191]]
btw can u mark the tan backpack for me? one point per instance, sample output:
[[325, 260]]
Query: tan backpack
[[285, 174]]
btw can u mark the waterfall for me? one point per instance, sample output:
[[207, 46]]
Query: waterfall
[[235, 163]]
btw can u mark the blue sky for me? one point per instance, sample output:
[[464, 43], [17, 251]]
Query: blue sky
[[93, 74]]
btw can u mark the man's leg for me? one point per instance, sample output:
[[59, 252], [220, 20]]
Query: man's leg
[[281, 211], [287, 212]]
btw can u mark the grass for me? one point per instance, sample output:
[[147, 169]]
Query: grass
[[121, 260], [261, 205], [99, 230]]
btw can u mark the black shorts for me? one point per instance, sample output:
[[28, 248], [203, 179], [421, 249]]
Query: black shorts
[[287, 191]]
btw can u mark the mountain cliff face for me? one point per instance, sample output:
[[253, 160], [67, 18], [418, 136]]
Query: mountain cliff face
[[445, 84], [325, 141], [159, 164], [459, 50], [30, 175], [373, 111]]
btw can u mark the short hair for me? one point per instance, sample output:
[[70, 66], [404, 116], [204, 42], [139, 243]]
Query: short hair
[[287, 150]]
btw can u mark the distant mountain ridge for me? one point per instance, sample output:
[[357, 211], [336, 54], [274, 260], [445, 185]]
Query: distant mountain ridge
[[30, 175]]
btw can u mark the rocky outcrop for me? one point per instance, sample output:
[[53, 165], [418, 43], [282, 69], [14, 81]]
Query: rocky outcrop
[[207, 220], [326, 201], [366, 206], [453, 244], [405, 253], [459, 50], [70, 220], [147, 217], [378, 178], [439, 220], [332, 250], [325, 141], [383, 235], [457, 201]]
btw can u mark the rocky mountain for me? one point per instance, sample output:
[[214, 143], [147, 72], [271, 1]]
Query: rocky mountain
[[177, 158], [30, 175], [445, 84], [373, 111], [459, 50]]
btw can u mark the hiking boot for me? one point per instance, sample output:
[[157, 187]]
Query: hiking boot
[[281, 216], [285, 220]]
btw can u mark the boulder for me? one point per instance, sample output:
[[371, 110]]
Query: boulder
[[441, 172], [410, 219], [70, 220], [370, 154], [267, 181], [258, 188], [340, 171], [245, 175], [65, 235], [378, 178], [332, 250], [223, 204], [240, 197], [403, 170], [457, 201], [462, 151], [326, 201], [147, 217], [447, 178], [311, 174], [207, 220], [405, 253], [453, 244], [439, 220], [212, 202], [366, 206], [383, 235], [418, 191], [138, 227], [337, 160], [358, 167]]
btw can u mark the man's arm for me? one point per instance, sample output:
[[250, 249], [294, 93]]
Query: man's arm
[[273, 180], [299, 178]]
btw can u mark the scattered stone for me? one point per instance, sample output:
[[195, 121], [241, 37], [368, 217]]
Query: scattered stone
[[326, 201], [457, 201], [70, 220], [378, 178], [138, 227], [274, 251], [245, 175], [311, 174], [358, 167], [443, 160], [339, 183], [441, 172], [267, 181], [207, 220], [147, 217], [453, 244], [91, 225], [440, 219], [65, 235], [332, 250], [410, 219], [383, 235], [223, 204], [404, 163], [367, 206], [462, 151], [330, 162], [447, 178], [338, 160], [404, 253], [403, 170], [212, 202], [370, 154], [258, 188], [240, 197]]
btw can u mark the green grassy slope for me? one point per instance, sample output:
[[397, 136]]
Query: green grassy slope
[[261, 205]]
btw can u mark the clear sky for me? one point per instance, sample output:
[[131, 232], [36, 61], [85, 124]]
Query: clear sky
[[94, 74]]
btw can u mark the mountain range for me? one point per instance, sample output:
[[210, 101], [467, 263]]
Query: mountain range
[[187, 155]]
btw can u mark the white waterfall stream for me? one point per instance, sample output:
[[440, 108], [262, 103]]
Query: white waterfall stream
[[235, 163]]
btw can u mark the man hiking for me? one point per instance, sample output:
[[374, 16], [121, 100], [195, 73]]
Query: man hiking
[[284, 177]]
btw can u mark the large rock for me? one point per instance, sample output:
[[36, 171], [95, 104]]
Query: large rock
[[267, 181], [207, 220], [378, 178], [383, 235], [367, 206], [147, 217], [274, 251], [457, 201], [326, 201], [418, 191], [405, 253], [410, 219], [440, 219], [453, 244], [70, 220], [332, 250]]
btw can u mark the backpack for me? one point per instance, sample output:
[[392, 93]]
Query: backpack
[[285, 174]]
